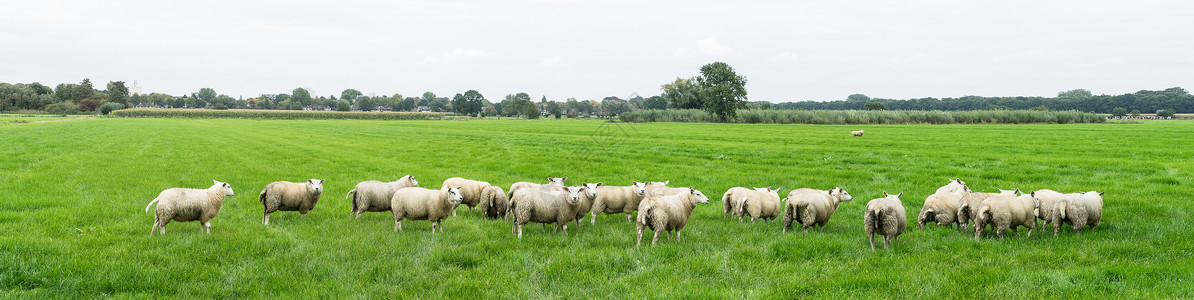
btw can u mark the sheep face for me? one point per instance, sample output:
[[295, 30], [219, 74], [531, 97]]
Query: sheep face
[[227, 187], [840, 194], [591, 188], [574, 194], [412, 180], [454, 196], [640, 188], [315, 186], [556, 180], [700, 197]]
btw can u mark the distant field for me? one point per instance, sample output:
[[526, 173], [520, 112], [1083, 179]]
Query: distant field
[[8, 119], [73, 194]]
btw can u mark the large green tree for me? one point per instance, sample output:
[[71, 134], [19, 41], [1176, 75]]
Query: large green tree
[[350, 95], [683, 94], [655, 102], [118, 93], [206, 94], [301, 96], [722, 90], [470, 103]]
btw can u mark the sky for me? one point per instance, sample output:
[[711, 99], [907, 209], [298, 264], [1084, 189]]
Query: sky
[[787, 50]]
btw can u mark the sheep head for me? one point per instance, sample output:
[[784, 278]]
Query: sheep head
[[227, 187], [591, 188], [640, 188], [700, 197], [315, 186], [574, 194], [454, 196], [556, 180], [411, 179], [840, 194]]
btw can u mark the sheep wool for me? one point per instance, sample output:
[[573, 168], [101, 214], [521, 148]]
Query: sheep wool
[[290, 196], [810, 207], [544, 206], [493, 202], [885, 216], [618, 199], [417, 203], [185, 205], [374, 196], [1078, 210], [469, 189], [1005, 211], [667, 214]]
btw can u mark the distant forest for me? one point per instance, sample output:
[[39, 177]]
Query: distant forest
[[1144, 101]]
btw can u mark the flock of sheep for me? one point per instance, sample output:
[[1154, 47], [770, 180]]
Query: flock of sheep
[[662, 209]]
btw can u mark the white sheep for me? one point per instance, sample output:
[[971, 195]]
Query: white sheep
[[760, 203], [493, 202], [856, 133], [185, 205], [954, 185], [667, 214], [374, 196], [942, 208], [618, 199], [553, 183], [1046, 204], [969, 204], [588, 195], [544, 206], [731, 204], [1005, 211], [1078, 210], [469, 189], [887, 217], [418, 203], [660, 188], [290, 196], [811, 207]]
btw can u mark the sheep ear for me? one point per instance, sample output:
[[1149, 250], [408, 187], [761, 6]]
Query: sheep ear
[[213, 181], [563, 178], [900, 194], [600, 183], [885, 193], [1101, 193], [1032, 193], [1018, 192], [321, 181]]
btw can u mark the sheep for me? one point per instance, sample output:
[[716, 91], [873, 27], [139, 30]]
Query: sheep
[[661, 189], [290, 196], [618, 199], [1079, 210], [1005, 211], [885, 215], [953, 186], [969, 204], [469, 189], [553, 183], [856, 133], [544, 206], [418, 203], [732, 204], [667, 214], [185, 205], [811, 207], [374, 196], [1046, 201], [493, 202], [760, 203], [942, 208], [589, 193]]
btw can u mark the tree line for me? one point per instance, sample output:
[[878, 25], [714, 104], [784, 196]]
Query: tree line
[[1176, 99]]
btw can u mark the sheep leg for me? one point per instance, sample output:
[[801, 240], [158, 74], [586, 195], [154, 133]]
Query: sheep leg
[[265, 220], [592, 218], [1001, 232], [155, 227], [656, 238], [872, 235], [520, 231], [628, 217], [565, 228], [886, 242], [544, 226], [640, 235]]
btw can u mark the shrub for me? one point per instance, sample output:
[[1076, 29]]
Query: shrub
[[1166, 113], [109, 107], [88, 104], [1135, 113], [218, 106], [871, 116], [63, 108], [875, 105]]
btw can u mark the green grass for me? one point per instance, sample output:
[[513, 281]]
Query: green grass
[[72, 224], [271, 114], [839, 117], [10, 119]]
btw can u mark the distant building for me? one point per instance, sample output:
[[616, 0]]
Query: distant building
[[135, 89], [271, 96]]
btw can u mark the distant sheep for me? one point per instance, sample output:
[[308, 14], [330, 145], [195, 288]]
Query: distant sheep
[[290, 196], [1005, 211], [185, 205], [664, 214], [469, 189], [760, 203], [374, 196], [1079, 210], [417, 203], [493, 202], [885, 216], [618, 199], [810, 207], [856, 133], [544, 206]]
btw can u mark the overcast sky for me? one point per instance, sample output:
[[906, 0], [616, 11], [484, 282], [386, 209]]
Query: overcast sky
[[787, 50]]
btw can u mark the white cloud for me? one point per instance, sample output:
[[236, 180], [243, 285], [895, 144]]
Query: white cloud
[[456, 56], [552, 62], [785, 57], [707, 48]]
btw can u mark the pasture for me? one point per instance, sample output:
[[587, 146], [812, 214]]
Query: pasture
[[73, 194]]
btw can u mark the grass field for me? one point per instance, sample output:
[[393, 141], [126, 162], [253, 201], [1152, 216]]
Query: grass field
[[10, 119], [72, 224]]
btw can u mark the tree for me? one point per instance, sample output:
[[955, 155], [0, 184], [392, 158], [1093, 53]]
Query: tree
[[683, 94], [875, 105], [655, 102], [1135, 113], [1166, 113], [407, 104], [350, 95], [1078, 94], [858, 98], [206, 94], [470, 103], [118, 93], [554, 108], [722, 90], [427, 98], [440, 105], [343, 105], [301, 96], [1119, 112]]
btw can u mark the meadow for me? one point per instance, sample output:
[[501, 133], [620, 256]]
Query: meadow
[[73, 194]]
